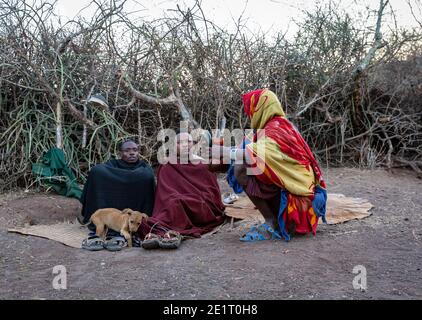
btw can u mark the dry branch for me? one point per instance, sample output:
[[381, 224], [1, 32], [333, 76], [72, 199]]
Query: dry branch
[[351, 104]]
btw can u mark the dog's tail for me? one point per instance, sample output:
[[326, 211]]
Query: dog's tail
[[80, 220]]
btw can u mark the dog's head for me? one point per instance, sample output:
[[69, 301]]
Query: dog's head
[[134, 219]]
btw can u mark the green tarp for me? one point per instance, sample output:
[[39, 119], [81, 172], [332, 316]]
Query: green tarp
[[55, 173]]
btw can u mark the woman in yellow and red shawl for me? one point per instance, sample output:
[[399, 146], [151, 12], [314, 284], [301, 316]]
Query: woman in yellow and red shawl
[[282, 177]]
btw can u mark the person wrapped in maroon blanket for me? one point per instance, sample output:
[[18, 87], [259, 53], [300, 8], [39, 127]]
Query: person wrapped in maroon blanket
[[187, 201]]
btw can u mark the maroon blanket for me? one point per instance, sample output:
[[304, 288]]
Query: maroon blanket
[[187, 200]]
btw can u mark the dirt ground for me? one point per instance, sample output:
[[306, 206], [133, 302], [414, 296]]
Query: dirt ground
[[388, 244]]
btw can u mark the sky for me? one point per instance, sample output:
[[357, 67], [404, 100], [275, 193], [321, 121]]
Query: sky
[[264, 15]]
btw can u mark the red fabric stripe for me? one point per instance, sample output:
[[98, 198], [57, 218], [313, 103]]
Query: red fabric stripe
[[247, 97], [298, 211], [292, 144]]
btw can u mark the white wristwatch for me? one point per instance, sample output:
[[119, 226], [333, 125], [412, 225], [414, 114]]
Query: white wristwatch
[[233, 153]]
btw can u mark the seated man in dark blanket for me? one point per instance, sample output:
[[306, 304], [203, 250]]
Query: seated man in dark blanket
[[124, 183], [187, 201]]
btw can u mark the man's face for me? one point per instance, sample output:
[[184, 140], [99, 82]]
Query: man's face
[[130, 152], [184, 143]]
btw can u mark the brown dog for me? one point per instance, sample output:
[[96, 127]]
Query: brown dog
[[126, 221]]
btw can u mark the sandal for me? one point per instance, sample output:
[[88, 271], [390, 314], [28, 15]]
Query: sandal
[[229, 198], [262, 232], [171, 240], [151, 241], [115, 243], [93, 243], [136, 241]]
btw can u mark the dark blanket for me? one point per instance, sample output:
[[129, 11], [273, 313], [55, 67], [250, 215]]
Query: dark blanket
[[187, 200], [117, 184]]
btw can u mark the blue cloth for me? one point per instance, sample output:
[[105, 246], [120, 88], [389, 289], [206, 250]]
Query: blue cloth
[[232, 181], [320, 203], [281, 211]]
